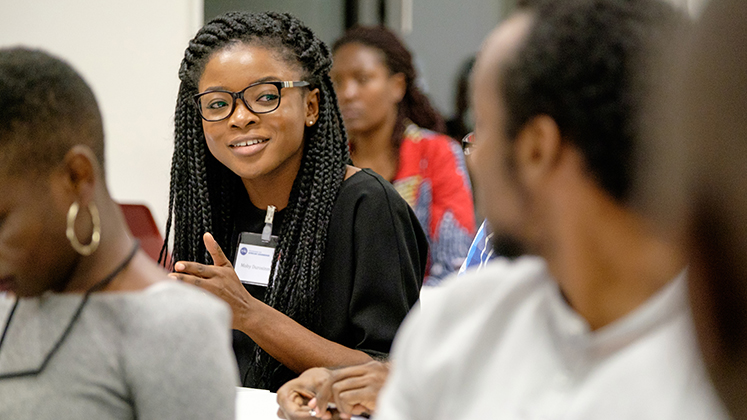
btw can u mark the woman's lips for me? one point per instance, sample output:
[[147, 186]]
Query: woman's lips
[[248, 147], [351, 113]]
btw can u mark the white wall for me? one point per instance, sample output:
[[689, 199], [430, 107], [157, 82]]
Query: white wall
[[325, 17], [129, 52], [445, 33]]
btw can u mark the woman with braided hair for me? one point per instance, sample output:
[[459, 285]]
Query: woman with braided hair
[[260, 149], [395, 131]]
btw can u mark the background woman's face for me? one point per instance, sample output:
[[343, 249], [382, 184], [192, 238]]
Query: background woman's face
[[366, 90], [256, 146], [35, 255]]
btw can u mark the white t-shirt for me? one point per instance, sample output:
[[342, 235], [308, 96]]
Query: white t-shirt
[[503, 344]]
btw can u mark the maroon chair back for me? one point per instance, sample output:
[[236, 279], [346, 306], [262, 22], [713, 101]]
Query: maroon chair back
[[143, 227]]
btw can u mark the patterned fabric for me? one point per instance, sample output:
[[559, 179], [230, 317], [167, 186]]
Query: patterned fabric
[[432, 178], [481, 250]]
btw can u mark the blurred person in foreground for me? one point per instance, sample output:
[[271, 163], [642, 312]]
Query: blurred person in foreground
[[91, 328], [596, 326], [700, 178]]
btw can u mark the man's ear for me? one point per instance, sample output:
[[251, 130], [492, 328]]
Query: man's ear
[[397, 87], [77, 174], [537, 149], [312, 107]]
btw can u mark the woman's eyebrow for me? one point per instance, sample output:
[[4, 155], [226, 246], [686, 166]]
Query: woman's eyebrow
[[266, 79], [214, 88], [261, 80]]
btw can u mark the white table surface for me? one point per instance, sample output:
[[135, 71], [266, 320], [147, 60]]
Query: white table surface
[[259, 404], [256, 404]]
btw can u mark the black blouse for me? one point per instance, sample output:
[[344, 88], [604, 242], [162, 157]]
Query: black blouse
[[371, 274]]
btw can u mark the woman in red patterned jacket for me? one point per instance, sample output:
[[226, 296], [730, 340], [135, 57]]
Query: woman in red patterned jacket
[[394, 130]]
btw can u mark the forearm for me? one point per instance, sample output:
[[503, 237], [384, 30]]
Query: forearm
[[292, 344]]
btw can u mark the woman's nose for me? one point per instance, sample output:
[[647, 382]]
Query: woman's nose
[[347, 90], [242, 115]]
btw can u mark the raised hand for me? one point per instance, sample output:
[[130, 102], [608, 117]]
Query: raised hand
[[219, 279]]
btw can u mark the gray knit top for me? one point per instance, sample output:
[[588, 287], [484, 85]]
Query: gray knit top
[[160, 353]]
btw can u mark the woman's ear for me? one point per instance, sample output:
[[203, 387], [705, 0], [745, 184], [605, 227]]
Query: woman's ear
[[78, 173], [312, 107], [397, 87]]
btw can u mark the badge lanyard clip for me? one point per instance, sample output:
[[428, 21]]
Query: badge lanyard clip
[[267, 231], [255, 253]]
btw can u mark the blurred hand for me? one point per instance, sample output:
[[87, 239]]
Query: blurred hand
[[219, 279], [295, 395], [353, 391]]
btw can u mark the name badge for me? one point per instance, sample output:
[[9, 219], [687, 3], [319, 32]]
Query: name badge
[[254, 258]]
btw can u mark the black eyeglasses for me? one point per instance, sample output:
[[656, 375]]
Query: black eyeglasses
[[468, 143], [260, 98]]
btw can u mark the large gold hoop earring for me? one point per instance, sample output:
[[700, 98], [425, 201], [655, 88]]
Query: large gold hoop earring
[[72, 214]]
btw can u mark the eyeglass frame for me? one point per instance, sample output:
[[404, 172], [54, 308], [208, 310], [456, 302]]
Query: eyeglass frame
[[468, 143], [240, 95]]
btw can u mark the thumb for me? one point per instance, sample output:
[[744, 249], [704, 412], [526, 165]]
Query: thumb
[[219, 258]]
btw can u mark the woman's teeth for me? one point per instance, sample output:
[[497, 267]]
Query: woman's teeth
[[249, 143]]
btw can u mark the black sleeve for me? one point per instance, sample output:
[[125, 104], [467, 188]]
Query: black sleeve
[[375, 241]]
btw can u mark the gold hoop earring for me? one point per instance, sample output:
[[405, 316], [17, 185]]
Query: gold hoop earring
[[72, 214]]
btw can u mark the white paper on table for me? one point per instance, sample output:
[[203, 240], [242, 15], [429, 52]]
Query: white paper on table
[[260, 404], [256, 404]]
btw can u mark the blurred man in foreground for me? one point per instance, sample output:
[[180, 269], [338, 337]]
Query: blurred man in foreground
[[597, 326]]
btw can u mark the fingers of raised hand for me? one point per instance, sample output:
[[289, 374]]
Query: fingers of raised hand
[[220, 277], [200, 275], [219, 258], [195, 269], [188, 278]]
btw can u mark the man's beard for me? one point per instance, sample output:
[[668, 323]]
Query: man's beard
[[508, 246]]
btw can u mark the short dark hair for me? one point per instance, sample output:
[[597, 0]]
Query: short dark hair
[[582, 63], [45, 109]]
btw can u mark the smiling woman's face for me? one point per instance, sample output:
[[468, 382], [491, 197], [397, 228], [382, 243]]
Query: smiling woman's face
[[265, 146]]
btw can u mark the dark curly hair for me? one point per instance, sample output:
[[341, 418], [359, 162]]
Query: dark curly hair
[[582, 63], [204, 192], [44, 105], [414, 106]]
